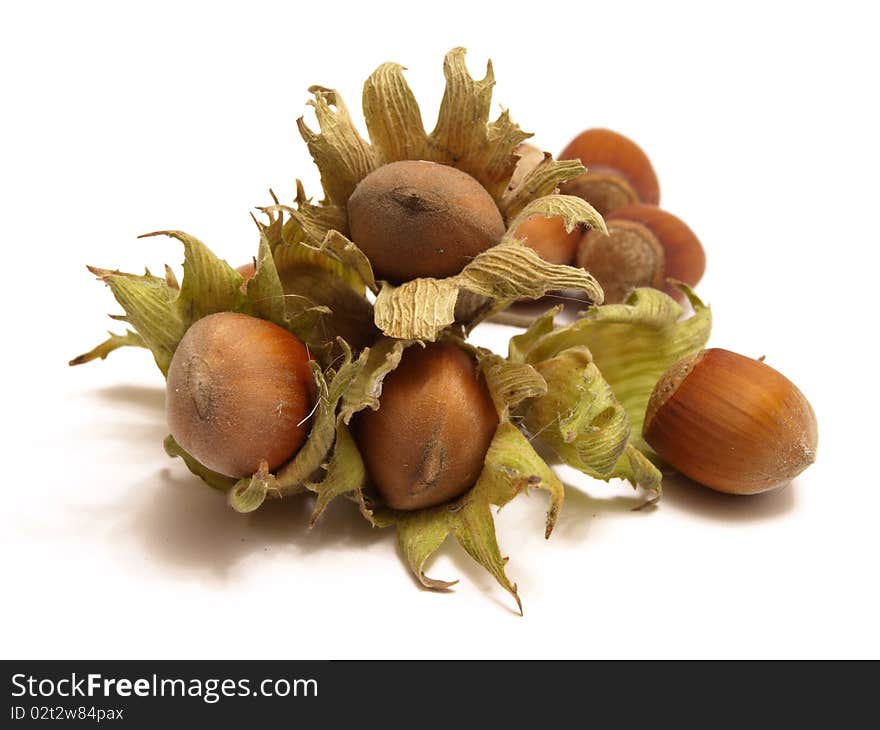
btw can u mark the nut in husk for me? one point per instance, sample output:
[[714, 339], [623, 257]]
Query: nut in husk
[[427, 218], [239, 392], [426, 443], [416, 219]]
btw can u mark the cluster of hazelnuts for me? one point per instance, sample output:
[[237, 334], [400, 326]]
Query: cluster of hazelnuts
[[240, 391], [645, 245]]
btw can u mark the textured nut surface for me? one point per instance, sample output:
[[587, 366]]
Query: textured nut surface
[[629, 256], [731, 423], [426, 443], [604, 191], [684, 257], [238, 391], [421, 219]]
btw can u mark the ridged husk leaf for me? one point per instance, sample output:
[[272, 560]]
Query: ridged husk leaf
[[613, 356]]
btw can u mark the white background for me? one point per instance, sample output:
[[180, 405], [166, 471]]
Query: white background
[[123, 118]]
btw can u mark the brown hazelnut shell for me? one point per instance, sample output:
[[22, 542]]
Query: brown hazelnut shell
[[609, 152], [239, 392], [549, 238], [422, 219], [684, 256], [731, 423], [629, 256], [426, 443]]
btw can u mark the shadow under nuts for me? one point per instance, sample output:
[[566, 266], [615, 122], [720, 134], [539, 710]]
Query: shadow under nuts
[[417, 219], [426, 443], [239, 392], [731, 423]]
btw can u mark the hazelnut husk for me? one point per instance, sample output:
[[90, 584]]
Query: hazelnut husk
[[731, 423], [239, 393], [426, 443], [418, 219], [645, 246], [618, 171]]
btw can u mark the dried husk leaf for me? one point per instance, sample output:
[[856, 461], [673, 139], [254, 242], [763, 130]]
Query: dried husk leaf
[[511, 271], [572, 210], [264, 291], [210, 285], [342, 156], [357, 386], [295, 241], [211, 478], [637, 468], [463, 137], [323, 294], [295, 476], [338, 247], [632, 344], [579, 417], [344, 312], [345, 473], [420, 534], [393, 118], [423, 308], [150, 307], [416, 310], [511, 467], [249, 494], [365, 388], [114, 342], [160, 312], [509, 383], [310, 222], [543, 180]]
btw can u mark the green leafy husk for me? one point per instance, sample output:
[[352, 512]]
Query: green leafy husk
[[511, 467], [616, 353], [160, 312], [114, 342]]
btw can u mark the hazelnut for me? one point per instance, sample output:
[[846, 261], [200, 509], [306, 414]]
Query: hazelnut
[[731, 423], [239, 392], [426, 443], [645, 246], [422, 219], [247, 271], [549, 238], [618, 171]]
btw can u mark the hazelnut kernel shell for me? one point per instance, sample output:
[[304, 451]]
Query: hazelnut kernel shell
[[731, 423]]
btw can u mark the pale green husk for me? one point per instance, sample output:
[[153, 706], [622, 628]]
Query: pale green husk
[[616, 353], [511, 466]]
